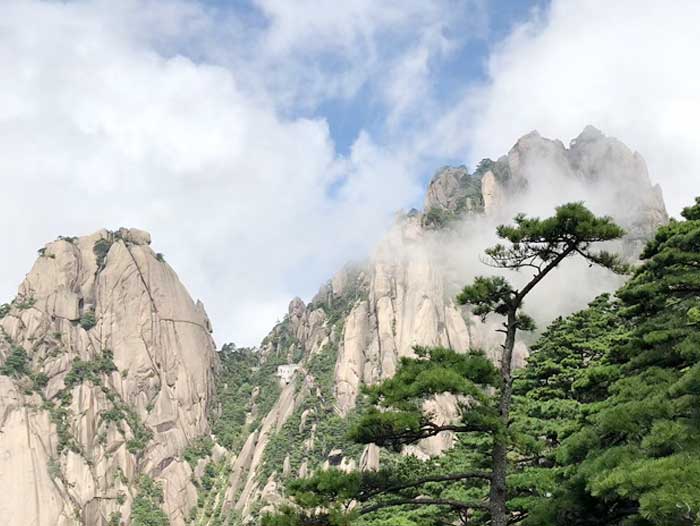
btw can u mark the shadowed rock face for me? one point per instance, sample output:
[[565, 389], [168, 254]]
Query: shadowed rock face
[[128, 361]]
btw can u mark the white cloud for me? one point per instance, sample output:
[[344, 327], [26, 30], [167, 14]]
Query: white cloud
[[627, 67], [182, 118], [102, 123], [314, 50]]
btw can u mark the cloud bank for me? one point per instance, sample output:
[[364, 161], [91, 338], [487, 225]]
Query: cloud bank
[[205, 125], [197, 124]]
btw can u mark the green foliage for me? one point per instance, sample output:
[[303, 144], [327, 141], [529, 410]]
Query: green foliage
[[17, 363], [60, 417], [141, 435], [568, 374], [500, 168], [326, 486], [92, 371], [24, 302], [638, 449], [401, 419], [83, 371], [160, 257], [212, 485], [247, 388], [331, 429], [437, 217], [572, 222], [101, 249], [398, 413], [610, 397], [487, 295], [40, 380], [146, 510], [115, 519], [435, 370], [88, 320], [4, 310], [241, 370], [199, 448]]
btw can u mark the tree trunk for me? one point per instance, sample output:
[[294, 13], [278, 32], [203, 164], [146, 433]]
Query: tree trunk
[[498, 495]]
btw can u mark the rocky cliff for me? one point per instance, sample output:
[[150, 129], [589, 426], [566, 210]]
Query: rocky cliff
[[115, 404], [107, 378], [358, 326]]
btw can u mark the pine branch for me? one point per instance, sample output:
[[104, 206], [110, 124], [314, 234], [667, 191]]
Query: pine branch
[[422, 501], [427, 431], [443, 478]]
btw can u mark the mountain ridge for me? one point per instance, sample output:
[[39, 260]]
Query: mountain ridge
[[120, 386]]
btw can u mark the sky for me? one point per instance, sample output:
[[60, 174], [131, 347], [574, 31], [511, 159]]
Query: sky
[[264, 143]]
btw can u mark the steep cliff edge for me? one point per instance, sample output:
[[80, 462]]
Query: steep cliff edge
[[107, 378]]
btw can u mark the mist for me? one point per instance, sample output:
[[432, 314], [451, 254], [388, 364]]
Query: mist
[[609, 178]]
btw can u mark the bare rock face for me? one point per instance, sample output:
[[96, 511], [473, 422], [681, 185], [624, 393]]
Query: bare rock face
[[408, 303], [452, 190], [445, 188], [115, 379], [598, 170]]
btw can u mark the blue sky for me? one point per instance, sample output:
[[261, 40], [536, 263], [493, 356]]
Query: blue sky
[[451, 76], [266, 143], [347, 117]]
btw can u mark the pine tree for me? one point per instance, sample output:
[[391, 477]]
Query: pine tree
[[568, 374], [638, 455], [484, 392]]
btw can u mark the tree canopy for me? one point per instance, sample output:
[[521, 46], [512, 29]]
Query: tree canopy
[[637, 452]]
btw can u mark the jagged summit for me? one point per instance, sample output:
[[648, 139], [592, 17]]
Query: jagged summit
[[595, 168], [589, 133], [369, 316]]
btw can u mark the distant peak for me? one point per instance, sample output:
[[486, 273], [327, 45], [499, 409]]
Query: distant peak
[[450, 171], [534, 134], [589, 133]]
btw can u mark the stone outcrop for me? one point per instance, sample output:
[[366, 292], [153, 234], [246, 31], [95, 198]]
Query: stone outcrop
[[117, 382], [408, 303], [596, 169]]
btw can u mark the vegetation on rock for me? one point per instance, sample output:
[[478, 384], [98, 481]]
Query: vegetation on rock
[[397, 417], [146, 510], [101, 249], [88, 320], [17, 363]]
